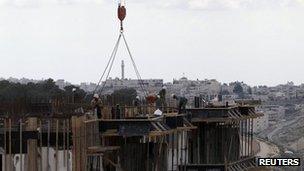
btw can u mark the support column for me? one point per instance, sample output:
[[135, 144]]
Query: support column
[[79, 149], [32, 146], [8, 160]]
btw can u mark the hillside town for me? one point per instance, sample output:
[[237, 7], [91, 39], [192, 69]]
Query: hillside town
[[279, 103], [282, 105]]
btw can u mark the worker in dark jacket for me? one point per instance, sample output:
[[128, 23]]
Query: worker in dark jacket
[[136, 104], [118, 112], [162, 98], [96, 103], [136, 101], [182, 102]]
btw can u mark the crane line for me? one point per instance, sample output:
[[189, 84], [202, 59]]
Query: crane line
[[121, 12]]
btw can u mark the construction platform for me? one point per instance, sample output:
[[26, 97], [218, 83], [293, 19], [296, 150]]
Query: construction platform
[[64, 136], [223, 139]]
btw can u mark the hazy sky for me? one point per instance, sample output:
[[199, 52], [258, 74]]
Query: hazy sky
[[255, 41]]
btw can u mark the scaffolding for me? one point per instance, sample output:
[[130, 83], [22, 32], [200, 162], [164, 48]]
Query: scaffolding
[[62, 136], [223, 139]]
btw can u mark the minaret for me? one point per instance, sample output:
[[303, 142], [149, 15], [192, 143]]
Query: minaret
[[122, 69]]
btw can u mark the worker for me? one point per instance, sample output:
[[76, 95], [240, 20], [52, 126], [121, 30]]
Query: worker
[[182, 102], [118, 112], [136, 104], [113, 114], [96, 103], [162, 97], [151, 98]]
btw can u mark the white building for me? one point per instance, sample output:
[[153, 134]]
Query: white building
[[88, 87], [61, 83], [150, 85]]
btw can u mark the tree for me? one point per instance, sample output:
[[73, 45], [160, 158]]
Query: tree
[[249, 90], [42, 91], [224, 92], [74, 93], [123, 96], [238, 89]]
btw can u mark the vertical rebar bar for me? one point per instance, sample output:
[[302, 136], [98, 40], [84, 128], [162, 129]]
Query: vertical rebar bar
[[251, 137], [148, 138], [177, 147]]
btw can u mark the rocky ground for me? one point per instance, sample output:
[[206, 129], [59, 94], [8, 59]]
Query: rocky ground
[[291, 136], [267, 149], [288, 135]]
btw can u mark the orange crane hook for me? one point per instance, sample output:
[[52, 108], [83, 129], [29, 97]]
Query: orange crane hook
[[121, 12]]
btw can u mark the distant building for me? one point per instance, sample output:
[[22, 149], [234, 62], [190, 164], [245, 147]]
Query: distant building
[[61, 83], [151, 85], [261, 123], [88, 87], [206, 89], [275, 113]]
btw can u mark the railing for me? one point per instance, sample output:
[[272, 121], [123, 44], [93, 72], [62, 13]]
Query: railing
[[111, 112]]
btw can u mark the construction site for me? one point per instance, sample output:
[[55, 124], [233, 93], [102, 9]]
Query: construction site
[[58, 137], [59, 134]]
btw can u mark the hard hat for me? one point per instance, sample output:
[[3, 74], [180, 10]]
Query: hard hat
[[158, 96], [164, 87], [96, 96], [172, 95], [137, 97]]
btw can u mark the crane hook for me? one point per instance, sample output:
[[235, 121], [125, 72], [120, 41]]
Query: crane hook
[[121, 12]]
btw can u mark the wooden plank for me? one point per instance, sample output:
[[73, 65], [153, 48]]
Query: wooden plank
[[75, 166], [79, 150], [10, 144], [124, 120], [64, 143], [5, 149], [56, 148], [32, 145], [40, 145], [102, 149], [68, 145], [48, 144], [20, 144]]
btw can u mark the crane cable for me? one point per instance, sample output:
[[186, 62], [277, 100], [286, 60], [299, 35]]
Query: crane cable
[[121, 16], [108, 64], [135, 67], [111, 65]]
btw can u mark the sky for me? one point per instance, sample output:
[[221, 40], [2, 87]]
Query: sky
[[260, 42]]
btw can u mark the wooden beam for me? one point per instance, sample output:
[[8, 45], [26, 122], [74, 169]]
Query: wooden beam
[[32, 146], [20, 145], [56, 148]]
